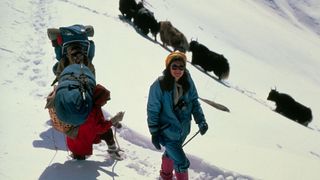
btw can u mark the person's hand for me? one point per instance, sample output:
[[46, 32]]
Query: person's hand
[[117, 118], [118, 125], [156, 142], [203, 127]]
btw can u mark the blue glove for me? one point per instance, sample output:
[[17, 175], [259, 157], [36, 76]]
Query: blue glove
[[203, 127], [156, 142]]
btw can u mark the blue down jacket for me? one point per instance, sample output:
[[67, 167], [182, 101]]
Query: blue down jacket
[[169, 123]]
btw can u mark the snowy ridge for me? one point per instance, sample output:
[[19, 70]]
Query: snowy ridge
[[299, 12]]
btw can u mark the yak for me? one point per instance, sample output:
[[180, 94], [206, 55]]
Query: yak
[[209, 60], [145, 21], [171, 36], [128, 8], [288, 107]]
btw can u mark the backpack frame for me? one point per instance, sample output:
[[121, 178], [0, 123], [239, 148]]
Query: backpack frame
[[64, 36]]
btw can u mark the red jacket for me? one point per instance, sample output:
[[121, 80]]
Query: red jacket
[[89, 133]]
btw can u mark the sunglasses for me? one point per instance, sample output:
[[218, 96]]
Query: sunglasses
[[177, 67]]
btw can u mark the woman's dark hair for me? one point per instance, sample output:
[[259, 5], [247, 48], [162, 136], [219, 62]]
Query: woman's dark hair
[[167, 80]]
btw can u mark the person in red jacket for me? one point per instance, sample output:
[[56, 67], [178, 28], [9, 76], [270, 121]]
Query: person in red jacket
[[95, 128]]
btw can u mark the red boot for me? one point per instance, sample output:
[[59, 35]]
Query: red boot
[[182, 175], [166, 168]]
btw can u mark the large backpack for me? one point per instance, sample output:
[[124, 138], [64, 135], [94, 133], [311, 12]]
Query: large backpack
[[74, 94], [64, 36]]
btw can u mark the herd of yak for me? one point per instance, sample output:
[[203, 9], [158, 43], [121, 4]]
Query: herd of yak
[[145, 22]]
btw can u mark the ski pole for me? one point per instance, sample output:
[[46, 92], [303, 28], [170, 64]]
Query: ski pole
[[191, 138]]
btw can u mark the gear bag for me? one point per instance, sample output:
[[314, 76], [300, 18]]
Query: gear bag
[[74, 94]]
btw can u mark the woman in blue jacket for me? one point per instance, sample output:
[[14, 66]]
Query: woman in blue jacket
[[173, 98]]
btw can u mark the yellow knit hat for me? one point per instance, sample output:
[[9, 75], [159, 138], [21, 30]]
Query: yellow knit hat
[[175, 54]]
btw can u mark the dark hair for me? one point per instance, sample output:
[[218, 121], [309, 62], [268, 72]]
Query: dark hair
[[167, 80]]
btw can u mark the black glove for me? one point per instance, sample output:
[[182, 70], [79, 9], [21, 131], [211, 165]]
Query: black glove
[[156, 142], [203, 127]]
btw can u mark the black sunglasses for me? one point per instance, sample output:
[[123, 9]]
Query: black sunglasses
[[176, 67]]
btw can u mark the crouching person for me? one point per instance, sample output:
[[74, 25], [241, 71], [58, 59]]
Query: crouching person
[[172, 100], [75, 110], [95, 129]]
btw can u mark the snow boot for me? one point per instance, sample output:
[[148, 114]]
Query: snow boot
[[182, 175], [166, 168], [112, 148], [114, 152]]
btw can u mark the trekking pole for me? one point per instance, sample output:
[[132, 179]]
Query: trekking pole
[[115, 138], [191, 138]]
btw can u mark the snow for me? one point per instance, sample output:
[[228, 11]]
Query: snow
[[268, 44]]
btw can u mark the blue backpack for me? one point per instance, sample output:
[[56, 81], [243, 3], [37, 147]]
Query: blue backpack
[[65, 36], [74, 94]]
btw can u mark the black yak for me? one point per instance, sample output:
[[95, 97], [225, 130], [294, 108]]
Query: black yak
[[171, 36], [145, 21], [128, 8], [290, 108], [209, 60]]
